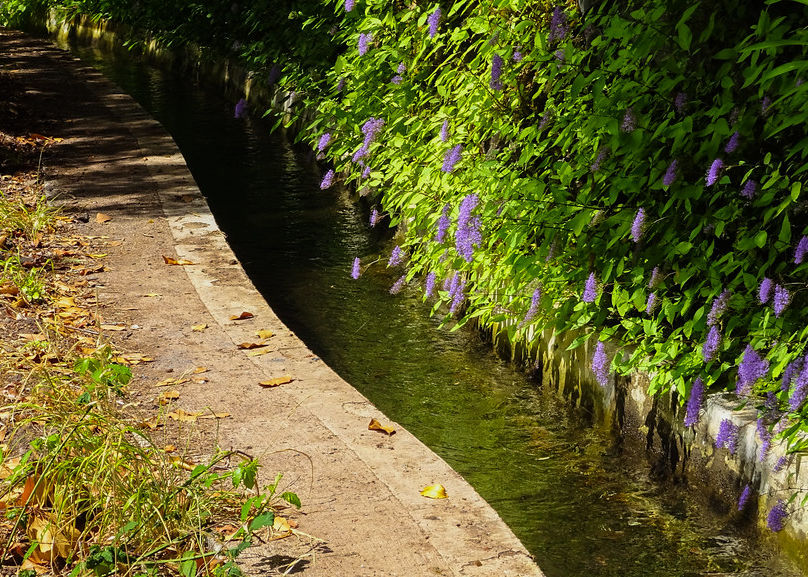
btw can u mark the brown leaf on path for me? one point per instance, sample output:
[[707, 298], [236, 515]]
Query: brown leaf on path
[[259, 352], [251, 345], [167, 396], [200, 370], [102, 218], [152, 295], [214, 415], [436, 491], [264, 334], [98, 255], [243, 316], [183, 416], [113, 327], [183, 463], [169, 448], [199, 328], [9, 289], [169, 382], [176, 261], [276, 382], [281, 524], [151, 423], [187, 198], [375, 425], [132, 359]]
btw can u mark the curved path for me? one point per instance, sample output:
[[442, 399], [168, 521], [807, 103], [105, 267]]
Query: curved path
[[360, 489]]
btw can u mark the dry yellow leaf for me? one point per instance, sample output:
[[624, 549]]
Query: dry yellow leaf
[[200, 370], [100, 255], [183, 463], [276, 382], [377, 426], [436, 491], [243, 316], [102, 218], [169, 448], [199, 328], [113, 327], [264, 334], [214, 415], [152, 295], [176, 261], [169, 382], [252, 345], [259, 352], [151, 423], [183, 416]]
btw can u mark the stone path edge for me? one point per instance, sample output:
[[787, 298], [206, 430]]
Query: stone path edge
[[484, 547]]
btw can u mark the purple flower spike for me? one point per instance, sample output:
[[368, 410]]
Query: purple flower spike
[[341, 84], [765, 104], [558, 25], [751, 369], [328, 180], [397, 79], [468, 228], [727, 436], [711, 345], [451, 158], [364, 43], [596, 165], [355, 270], [781, 299], [456, 287], [781, 462], [241, 109], [444, 131], [715, 171], [776, 519], [517, 56], [560, 55], [719, 308], [496, 72], [590, 289], [433, 20], [600, 364], [670, 174], [402, 68], [694, 403], [396, 257], [443, 223], [374, 217], [629, 121], [765, 290], [398, 285], [765, 439], [801, 250], [429, 288], [792, 370], [651, 304], [800, 392], [638, 225], [732, 144], [749, 189], [534, 308], [679, 102], [349, 5], [656, 278], [325, 140], [745, 494]]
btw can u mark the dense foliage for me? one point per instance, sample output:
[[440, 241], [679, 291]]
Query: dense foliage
[[634, 173]]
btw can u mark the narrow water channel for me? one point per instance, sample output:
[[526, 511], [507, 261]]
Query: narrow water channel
[[555, 476]]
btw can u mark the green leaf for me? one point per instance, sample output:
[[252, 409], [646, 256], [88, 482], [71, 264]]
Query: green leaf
[[291, 498], [263, 520]]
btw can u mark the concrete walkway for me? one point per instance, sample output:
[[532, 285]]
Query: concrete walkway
[[359, 488]]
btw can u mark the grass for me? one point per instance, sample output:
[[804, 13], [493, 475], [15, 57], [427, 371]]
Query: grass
[[84, 489]]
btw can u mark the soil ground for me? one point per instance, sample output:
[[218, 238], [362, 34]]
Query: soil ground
[[360, 489]]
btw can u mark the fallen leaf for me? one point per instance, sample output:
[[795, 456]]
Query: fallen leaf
[[199, 328], [169, 448], [214, 415], [243, 316], [264, 334], [251, 345], [276, 382], [200, 370], [199, 380], [183, 416], [169, 382], [102, 218], [151, 423], [113, 327], [167, 396], [132, 359], [437, 491], [176, 261], [183, 463], [99, 255], [377, 426], [281, 524], [152, 295], [259, 352], [9, 289], [187, 198]]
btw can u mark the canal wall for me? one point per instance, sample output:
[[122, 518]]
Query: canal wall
[[650, 426]]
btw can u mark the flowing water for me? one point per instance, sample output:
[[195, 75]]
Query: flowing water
[[554, 475]]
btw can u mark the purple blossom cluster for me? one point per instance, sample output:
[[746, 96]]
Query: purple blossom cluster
[[727, 436], [558, 25], [715, 171], [711, 345], [765, 439], [241, 109], [364, 43], [718, 307], [468, 227], [429, 287], [324, 141], [374, 217], [534, 307], [398, 285], [742, 500], [451, 158], [601, 364], [433, 20], [638, 225], [656, 278], [651, 304], [801, 250], [751, 369], [396, 257], [355, 270], [590, 289], [781, 300], [496, 72], [517, 56], [765, 290], [370, 129], [776, 519], [733, 142], [670, 174], [791, 371], [781, 462], [397, 79], [349, 5], [456, 288], [341, 84], [749, 189], [800, 388], [694, 403], [444, 131], [600, 157], [679, 102], [443, 223], [629, 121], [328, 180]]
